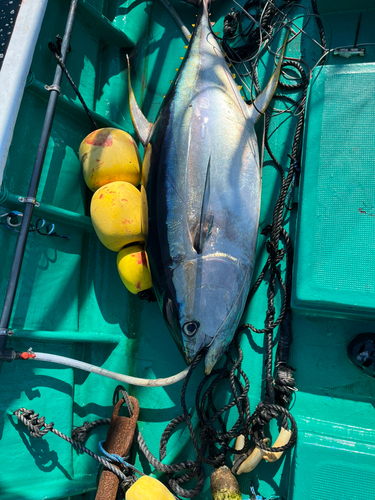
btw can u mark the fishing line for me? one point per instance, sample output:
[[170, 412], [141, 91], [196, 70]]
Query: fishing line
[[301, 29]]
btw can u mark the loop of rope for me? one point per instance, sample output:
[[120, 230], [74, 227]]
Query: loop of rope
[[80, 433]]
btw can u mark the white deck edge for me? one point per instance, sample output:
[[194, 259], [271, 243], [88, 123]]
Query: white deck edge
[[15, 68]]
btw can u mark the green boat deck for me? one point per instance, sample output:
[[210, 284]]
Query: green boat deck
[[71, 301]]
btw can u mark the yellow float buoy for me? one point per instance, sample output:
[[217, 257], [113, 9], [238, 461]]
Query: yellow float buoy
[[133, 268], [116, 215], [109, 155], [148, 488]]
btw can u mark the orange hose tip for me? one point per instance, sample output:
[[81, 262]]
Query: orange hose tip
[[27, 355]]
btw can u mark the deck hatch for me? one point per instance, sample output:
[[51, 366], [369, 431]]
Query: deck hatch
[[335, 268]]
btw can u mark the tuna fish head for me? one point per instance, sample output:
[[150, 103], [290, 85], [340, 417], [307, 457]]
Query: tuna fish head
[[210, 296]]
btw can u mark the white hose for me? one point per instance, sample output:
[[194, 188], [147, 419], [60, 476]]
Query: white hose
[[126, 379]]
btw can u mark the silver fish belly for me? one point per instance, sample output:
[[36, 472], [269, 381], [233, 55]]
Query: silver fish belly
[[203, 195]]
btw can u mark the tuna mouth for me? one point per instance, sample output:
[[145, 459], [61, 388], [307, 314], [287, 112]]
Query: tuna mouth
[[209, 364], [215, 350], [204, 345]]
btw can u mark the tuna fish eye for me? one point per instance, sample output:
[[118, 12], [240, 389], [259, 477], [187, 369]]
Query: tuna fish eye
[[190, 328]]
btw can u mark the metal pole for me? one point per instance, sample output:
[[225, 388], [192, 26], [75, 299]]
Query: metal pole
[[30, 200]]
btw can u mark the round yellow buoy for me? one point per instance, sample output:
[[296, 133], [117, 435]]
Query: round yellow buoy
[[148, 488], [116, 215], [133, 268], [109, 155]]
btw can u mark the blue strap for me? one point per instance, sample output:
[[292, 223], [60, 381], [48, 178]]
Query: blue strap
[[254, 495], [116, 458]]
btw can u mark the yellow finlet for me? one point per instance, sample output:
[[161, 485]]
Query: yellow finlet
[[224, 54], [193, 25], [171, 81], [213, 23], [217, 33], [234, 75], [229, 65], [181, 58], [176, 69], [189, 36], [186, 46], [238, 86]]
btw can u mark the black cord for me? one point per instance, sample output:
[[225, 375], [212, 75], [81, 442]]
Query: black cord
[[55, 50]]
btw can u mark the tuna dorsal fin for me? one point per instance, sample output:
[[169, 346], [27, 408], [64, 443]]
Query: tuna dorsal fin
[[207, 218], [259, 106], [142, 126]]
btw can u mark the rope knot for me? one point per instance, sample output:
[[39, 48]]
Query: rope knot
[[36, 425], [276, 255], [285, 384], [231, 23], [264, 413]]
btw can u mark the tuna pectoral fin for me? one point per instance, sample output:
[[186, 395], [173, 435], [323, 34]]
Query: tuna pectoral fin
[[142, 126], [259, 106], [207, 219]]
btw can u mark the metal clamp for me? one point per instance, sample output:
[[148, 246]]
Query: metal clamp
[[29, 199], [349, 52], [6, 331], [53, 87]]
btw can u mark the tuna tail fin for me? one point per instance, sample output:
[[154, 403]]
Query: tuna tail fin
[[142, 126], [259, 106]]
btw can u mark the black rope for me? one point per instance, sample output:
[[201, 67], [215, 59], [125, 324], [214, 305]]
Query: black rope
[[38, 428], [215, 440], [280, 385], [55, 50]]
